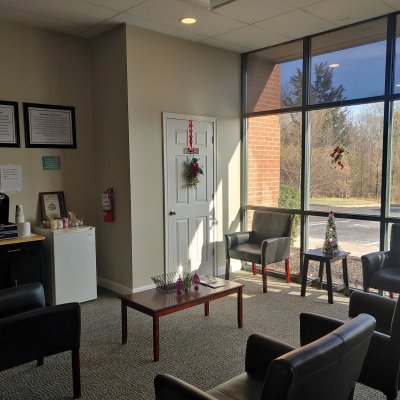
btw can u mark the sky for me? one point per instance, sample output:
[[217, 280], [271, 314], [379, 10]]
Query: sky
[[361, 70]]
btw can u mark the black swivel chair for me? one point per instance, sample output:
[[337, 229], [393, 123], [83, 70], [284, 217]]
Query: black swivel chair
[[326, 369], [381, 269], [30, 331], [268, 242], [381, 366]]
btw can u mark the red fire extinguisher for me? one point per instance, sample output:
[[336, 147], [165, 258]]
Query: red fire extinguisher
[[108, 205]]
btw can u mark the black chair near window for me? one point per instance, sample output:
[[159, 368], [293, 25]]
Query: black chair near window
[[268, 242], [30, 331], [381, 269], [381, 368], [325, 369]]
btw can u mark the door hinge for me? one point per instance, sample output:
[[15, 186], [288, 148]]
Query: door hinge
[[212, 139]]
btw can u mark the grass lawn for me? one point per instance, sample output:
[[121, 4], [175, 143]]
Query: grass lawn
[[343, 202]]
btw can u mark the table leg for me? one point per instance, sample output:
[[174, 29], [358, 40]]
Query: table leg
[[156, 338], [240, 306], [320, 273], [329, 281], [124, 322], [304, 276], [207, 309], [345, 277]]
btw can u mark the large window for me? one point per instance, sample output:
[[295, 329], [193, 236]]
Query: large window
[[328, 140], [354, 186]]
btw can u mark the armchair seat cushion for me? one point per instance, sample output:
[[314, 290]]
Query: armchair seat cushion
[[242, 387], [386, 279], [247, 252]]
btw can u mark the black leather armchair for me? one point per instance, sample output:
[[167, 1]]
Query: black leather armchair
[[381, 366], [30, 331], [381, 269], [268, 242], [325, 369]]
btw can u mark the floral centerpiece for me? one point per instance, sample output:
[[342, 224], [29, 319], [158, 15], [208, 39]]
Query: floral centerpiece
[[192, 172]]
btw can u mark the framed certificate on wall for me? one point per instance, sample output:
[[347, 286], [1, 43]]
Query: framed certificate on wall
[[9, 124], [49, 126], [52, 205]]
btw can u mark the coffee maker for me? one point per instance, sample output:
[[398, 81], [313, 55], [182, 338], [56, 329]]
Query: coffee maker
[[4, 208]]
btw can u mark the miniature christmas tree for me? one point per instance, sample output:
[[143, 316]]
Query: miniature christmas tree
[[331, 242]]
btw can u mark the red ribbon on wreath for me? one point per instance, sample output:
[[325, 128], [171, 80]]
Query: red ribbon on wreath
[[191, 148]]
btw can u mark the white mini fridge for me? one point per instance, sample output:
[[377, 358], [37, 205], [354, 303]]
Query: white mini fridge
[[69, 264]]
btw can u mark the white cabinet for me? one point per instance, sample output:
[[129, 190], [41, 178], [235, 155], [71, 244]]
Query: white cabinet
[[69, 264]]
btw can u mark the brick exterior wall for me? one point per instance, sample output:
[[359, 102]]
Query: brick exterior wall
[[264, 134]]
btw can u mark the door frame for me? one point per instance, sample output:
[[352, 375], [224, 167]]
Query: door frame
[[166, 116]]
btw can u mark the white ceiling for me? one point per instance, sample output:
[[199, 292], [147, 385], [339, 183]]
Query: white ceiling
[[240, 26]]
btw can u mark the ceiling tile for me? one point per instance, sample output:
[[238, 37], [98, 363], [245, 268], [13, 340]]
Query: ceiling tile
[[345, 12], [300, 3], [225, 45], [67, 10], [168, 12], [251, 11], [296, 24], [392, 3], [253, 37], [117, 5], [157, 27], [39, 21]]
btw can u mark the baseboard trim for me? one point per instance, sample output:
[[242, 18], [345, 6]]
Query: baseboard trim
[[113, 286], [121, 289], [234, 268]]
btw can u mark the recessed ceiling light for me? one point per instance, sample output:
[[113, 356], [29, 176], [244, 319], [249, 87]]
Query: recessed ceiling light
[[188, 20], [334, 65], [397, 85]]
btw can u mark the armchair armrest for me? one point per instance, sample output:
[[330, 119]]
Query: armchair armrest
[[381, 308], [234, 239], [261, 351], [275, 249], [314, 326], [168, 387], [373, 261], [22, 298], [39, 333]]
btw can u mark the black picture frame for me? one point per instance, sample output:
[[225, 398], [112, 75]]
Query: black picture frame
[[52, 205], [49, 126], [9, 124]]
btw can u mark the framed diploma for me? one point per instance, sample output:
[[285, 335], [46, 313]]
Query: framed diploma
[[9, 124], [49, 126], [52, 205]]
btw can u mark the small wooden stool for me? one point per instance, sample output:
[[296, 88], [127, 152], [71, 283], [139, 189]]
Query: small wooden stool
[[327, 259]]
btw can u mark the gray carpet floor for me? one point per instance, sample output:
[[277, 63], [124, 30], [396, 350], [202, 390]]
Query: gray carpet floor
[[204, 351]]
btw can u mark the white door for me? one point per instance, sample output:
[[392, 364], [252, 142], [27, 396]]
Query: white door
[[189, 213]]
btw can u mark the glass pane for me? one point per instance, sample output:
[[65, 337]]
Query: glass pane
[[274, 161], [274, 77], [354, 236], [395, 171], [397, 58], [349, 63], [352, 184]]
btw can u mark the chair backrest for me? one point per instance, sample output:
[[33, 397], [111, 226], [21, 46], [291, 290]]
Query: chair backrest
[[394, 254], [326, 369], [270, 224]]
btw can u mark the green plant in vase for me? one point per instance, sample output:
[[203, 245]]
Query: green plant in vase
[[187, 282]]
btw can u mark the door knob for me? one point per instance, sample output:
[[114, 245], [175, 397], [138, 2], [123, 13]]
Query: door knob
[[172, 212]]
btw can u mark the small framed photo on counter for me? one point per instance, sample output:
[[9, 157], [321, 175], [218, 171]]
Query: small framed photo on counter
[[52, 205], [9, 124], [49, 126]]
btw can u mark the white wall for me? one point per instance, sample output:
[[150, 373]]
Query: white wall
[[110, 104], [174, 75], [42, 67]]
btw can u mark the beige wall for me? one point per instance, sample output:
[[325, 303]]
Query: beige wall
[[110, 105], [42, 67], [174, 75]]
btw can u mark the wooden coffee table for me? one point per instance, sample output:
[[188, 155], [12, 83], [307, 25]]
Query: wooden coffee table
[[156, 304]]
